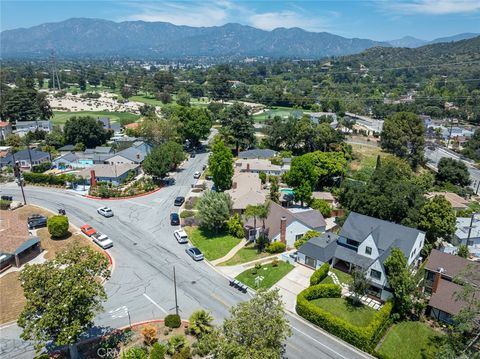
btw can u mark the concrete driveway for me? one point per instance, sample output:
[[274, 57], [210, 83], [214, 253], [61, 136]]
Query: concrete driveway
[[292, 284]]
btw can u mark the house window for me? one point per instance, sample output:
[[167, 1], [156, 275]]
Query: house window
[[375, 274], [351, 242], [368, 250], [298, 236]]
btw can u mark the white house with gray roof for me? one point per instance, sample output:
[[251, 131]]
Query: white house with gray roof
[[364, 242]]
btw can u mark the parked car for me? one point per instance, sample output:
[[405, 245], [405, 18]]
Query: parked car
[[174, 219], [197, 175], [105, 211], [102, 240], [179, 201], [88, 230], [36, 221], [192, 155], [181, 236], [195, 253]]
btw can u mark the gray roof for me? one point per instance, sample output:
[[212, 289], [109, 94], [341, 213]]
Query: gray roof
[[321, 248], [257, 153], [463, 226], [312, 218], [133, 154], [70, 157], [99, 149], [385, 234], [67, 148], [23, 155], [350, 256]]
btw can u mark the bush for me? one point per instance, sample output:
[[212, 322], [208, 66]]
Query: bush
[[235, 226], [364, 338], [149, 334], [158, 351], [173, 321], [186, 214], [263, 177], [322, 206], [276, 247], [320, 274], [258, 266], [184, 353], [5, 204], [48, 179], [176, 343], [308, 235], [42, 167], [57, 226]]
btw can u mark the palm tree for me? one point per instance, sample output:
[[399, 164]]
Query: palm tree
[[252, 212], [201, 322]]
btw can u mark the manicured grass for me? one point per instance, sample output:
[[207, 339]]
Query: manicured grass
[[59, 118], [342, 276], [270, 274], [246, 254], [146, 99], [342, 308], [213, 245], [278, 111], [327, 280], [410, 340]]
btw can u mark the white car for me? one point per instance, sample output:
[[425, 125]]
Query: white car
[[105, 211], [197, 175], [181, 236], [102, 240]]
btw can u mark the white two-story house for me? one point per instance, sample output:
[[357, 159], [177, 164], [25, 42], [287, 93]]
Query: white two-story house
[[364, 242]]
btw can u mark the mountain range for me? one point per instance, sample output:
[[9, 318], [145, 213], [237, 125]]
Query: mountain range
[[99, 38], [412, 42]]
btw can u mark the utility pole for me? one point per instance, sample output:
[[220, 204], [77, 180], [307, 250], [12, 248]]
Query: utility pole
[[470, 227], [18, 175], [175, 288]]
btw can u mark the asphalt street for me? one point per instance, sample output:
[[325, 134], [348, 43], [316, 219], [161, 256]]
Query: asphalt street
[[144, 253]]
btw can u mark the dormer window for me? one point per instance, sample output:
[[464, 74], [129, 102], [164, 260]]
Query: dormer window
[[368, 250]]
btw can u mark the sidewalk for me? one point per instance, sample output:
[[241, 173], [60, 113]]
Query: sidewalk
[[230, 254]]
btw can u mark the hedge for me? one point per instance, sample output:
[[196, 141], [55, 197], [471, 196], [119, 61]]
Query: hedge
[[364, 338], [42, 178], [5, 204], [320, 274]]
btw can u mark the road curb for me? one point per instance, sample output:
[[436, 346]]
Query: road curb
[[121, 198]]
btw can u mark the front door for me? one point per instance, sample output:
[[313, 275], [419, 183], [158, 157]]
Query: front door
[[310, 262]]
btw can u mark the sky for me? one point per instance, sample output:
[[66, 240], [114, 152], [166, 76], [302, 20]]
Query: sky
[[377, 20]]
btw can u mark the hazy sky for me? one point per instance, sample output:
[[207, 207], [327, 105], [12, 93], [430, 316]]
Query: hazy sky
[[378, 20]]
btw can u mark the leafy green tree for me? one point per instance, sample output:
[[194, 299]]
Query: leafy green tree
[[235, 226], [403, 134], [183, 98], [201, 322], [25, 104], [218, 86], [322, 206], [256, 328], [86, 130], [328, 165], [359, 284], [305, 238], [214, 210], [437, 219], [14, 140], [220, 165], [237, 126], [194, 123], [274, 189], [472, 147], [453, 171], [164, 81], [163, 159], [400, 281], [303, 193], [463, 251], [63, 296], [126, 92], [302, 170], [57, 226], [55, 138], [158, 130]]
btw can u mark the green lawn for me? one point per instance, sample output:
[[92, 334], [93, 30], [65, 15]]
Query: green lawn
[[342, 308], [327, 280], [278, 111], [246, 254], [410, 340], [213, 245], [146, 99], [342, 276], [270, 274], [59, 118]]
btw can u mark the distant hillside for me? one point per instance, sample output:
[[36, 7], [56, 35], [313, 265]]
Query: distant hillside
[[95, 37], [412, 42]]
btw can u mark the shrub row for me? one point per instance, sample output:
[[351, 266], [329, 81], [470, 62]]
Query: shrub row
[[276, 247], [362, 337], [49, 179], [320, 274]]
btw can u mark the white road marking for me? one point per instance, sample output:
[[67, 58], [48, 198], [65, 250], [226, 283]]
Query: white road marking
[[120, 312], [154, 303], [316, 341]]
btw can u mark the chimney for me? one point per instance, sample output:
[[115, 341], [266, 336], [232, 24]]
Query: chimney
[[283, 230], [234, 185], [93, 180], [248, 167], [436, 280]]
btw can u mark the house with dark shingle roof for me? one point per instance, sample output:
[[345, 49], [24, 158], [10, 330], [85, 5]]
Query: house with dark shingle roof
[[257, 153], [26, 158], [441, 270], [134, 154], [364, 242]]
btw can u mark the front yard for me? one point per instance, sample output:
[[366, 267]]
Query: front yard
[[410, 340], [271, 274], [213, 245], [246, 254], [359, 315]]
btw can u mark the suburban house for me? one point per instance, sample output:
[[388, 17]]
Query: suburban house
[[23, 127], [66, 148], [467, 232], [134, 154], [246, 189], [114, 174], [284, 225], [260, 165], [26, 159], [17, 246], [257, 154], [458, 203], [441, 270], [364, 242], [5, 130]]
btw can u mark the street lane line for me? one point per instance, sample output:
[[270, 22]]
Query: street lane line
[[154, 303], [220, 300], [318, 342]]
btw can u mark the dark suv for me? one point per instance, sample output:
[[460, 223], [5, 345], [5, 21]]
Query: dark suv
[[36, 221], [179, 201], [174, 219]]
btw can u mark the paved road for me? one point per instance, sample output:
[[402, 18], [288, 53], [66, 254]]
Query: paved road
[[141, 286]]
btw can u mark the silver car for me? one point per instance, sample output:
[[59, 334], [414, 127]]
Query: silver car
[[105, 211], [195, 253], [102, 240], [181, 236]]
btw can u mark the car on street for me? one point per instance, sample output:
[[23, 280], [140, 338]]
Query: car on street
[[197, 175], [102, 240], [174, 219], [192, 155], [36, 221], [179, 201], [105, 211], [195, 253], [88, 230], [181, 236]]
